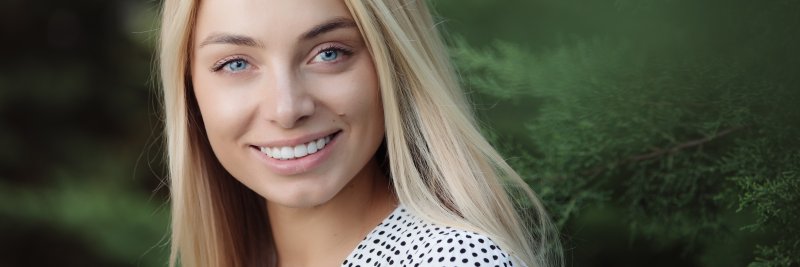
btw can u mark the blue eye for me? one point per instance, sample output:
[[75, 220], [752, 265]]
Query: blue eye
[[327, 55], [236, 65]]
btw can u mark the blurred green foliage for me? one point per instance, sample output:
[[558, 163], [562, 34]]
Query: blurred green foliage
[[658, 132], [678, 119]]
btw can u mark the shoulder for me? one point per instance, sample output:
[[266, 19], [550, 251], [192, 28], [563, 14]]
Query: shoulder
[[455, 247], [406, 240]]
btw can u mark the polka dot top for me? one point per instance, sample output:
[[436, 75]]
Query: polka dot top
[[403, 239]]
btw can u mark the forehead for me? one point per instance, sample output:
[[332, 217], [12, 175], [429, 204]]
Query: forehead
[[265, 19]]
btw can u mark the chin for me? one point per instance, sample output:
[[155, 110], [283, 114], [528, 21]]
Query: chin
[[302, 203], [301, 199]]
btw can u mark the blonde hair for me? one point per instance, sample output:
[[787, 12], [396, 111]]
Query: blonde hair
[[441, 167]]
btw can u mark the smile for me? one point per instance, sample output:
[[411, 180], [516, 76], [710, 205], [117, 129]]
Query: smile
[[298, 151]]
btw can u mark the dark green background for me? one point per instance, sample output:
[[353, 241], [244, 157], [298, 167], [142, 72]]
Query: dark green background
[[658, 132]]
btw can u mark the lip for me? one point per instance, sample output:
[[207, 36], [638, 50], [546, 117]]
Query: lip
[[301, 165]]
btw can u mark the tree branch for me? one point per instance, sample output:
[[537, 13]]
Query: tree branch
[[660, 152], [688, 144]]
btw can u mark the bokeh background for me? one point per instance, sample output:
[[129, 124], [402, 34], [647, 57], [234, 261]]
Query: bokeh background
[[658, 132]]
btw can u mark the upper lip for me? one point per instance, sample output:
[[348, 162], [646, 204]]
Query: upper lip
[[296, 141]]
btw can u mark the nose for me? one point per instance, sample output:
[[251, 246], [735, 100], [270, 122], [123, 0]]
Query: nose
[[289, 103]]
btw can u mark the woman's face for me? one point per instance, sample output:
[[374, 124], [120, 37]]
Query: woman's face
[[288, 94]]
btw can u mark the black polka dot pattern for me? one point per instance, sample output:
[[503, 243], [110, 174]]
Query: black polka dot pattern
[[403, 239]]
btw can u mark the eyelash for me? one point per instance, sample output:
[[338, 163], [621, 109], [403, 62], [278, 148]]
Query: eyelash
[[332, 47], [225, 61]]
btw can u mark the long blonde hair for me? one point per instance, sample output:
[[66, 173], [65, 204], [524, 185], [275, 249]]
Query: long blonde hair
[[441, 167]]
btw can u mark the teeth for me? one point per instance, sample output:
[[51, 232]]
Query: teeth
[[312, 147], [300, 151], [321, 143], [287, 152], [297, 151]]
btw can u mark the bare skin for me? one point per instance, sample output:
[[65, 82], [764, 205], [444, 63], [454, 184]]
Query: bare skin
[[271, 77], [325, 235]]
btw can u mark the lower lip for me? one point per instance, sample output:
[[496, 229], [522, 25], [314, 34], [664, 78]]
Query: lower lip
[[301, 165]]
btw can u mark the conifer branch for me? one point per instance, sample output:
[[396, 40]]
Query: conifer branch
[[688, 144], [660, 152]]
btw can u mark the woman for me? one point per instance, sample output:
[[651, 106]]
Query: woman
[[294, 128]]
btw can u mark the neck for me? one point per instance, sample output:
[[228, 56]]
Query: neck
[[324, 235]]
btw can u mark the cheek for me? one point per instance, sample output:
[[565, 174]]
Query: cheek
[[371, 98], [356, 96], [224, 110]]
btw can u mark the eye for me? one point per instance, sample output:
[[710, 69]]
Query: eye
[[330, 55], [327, 55], [236, 65], [232, 65]]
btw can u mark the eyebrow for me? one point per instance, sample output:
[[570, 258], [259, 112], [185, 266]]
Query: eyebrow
[[243, 40], [328, 26], [229, 38]]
